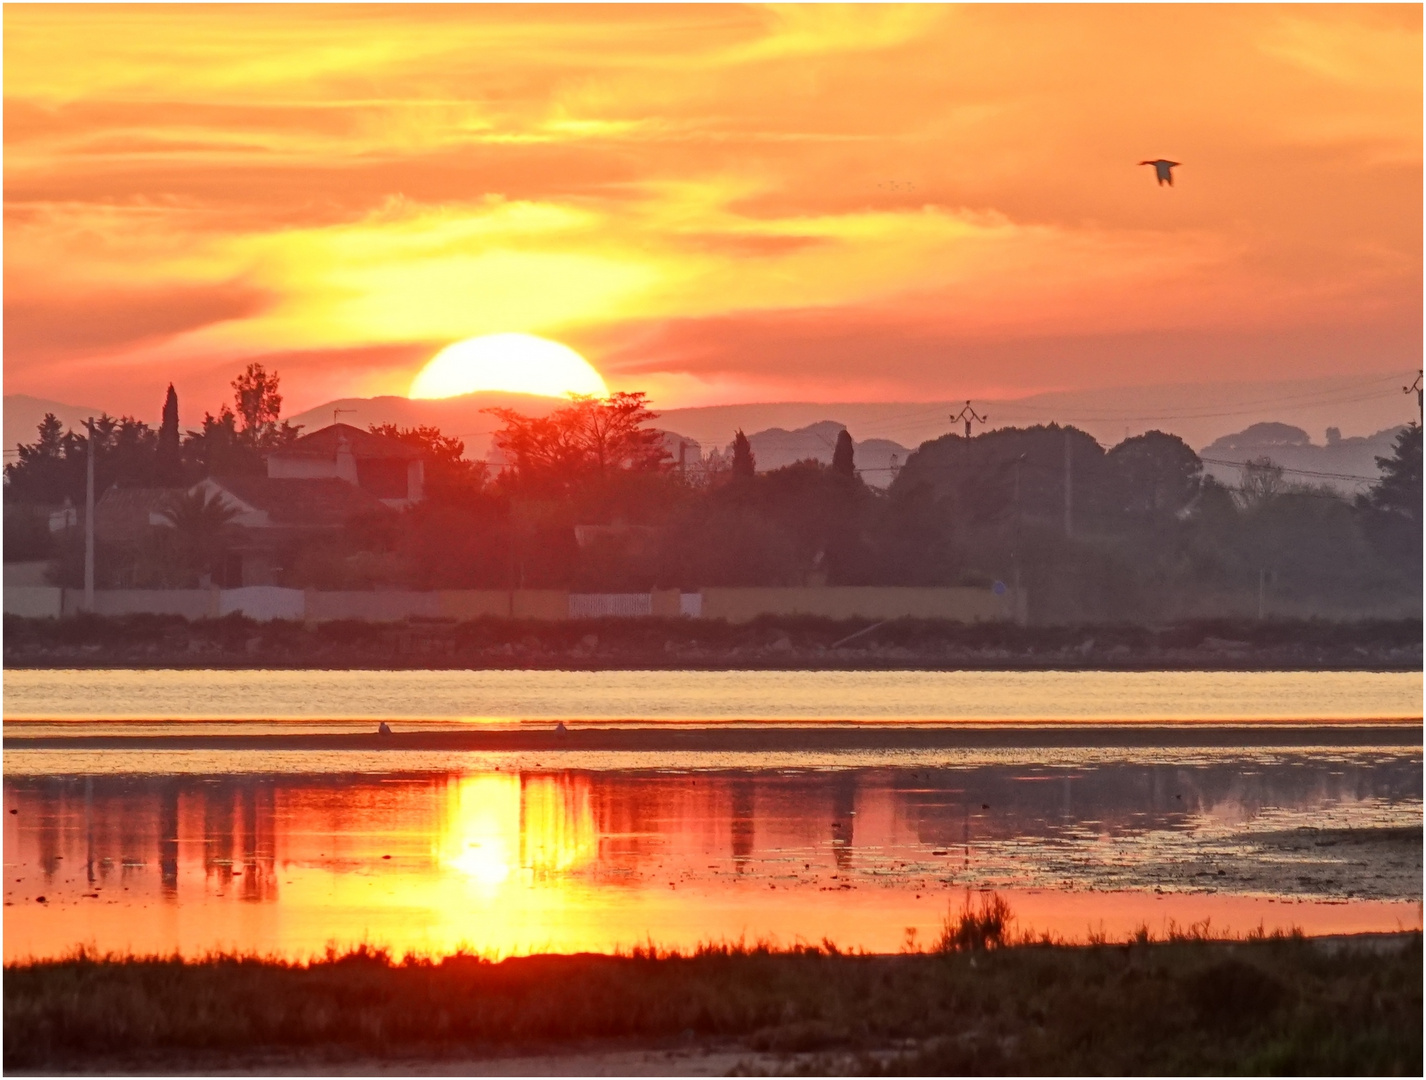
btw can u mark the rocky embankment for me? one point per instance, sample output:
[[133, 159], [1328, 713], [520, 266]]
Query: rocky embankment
[[235, 642]]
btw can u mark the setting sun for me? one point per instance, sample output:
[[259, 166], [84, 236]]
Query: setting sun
[[515, 363]]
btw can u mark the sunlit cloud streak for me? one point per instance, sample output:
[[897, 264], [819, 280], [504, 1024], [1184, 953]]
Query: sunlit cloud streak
[[675, 190]]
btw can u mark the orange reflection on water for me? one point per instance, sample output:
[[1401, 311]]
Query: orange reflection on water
[[504, 863]]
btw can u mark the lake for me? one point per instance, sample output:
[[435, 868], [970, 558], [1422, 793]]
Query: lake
[[279, 850]]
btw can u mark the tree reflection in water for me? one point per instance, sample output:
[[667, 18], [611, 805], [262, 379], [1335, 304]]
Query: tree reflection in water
[[593, 860]]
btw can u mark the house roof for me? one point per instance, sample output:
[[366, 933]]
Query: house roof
[[128, 513], [311, 503], [135, 500], [364, 445]]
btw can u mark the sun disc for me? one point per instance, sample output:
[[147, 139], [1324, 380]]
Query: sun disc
[[513, 363]]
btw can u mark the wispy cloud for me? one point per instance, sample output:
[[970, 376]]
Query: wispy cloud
[[349, 186]]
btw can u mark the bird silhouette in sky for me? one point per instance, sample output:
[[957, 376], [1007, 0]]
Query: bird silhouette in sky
[[1163, 169]]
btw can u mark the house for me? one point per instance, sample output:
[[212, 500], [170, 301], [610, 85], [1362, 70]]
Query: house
[[386, 468], [320, 482], [125, 515]]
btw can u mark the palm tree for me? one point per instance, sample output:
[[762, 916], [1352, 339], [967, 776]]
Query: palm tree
[[202, 524]]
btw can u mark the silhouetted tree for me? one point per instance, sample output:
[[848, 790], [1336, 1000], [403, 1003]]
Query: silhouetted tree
[[1262, 482], [843, 461], [222, 446], [45, 470], [168, 466], [53, 468], [1155, 474], [1391, 510], [744, 464], [590, 437], [218, 449], [259, 404], [449, 476], [1399, 490], [201, 527]]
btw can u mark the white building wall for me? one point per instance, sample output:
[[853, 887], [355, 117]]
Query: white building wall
[[280, 467]]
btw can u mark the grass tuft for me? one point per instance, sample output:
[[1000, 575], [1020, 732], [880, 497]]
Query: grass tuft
[[983, 1002]]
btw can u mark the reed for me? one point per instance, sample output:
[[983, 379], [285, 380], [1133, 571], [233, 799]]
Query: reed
[[981, 1001]]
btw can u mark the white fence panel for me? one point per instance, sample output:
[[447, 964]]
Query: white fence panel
[[610, 605], [34, 601], [263, 602]]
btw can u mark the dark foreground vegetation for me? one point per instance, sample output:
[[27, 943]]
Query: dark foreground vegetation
[[1285, 1005], [159, 641]]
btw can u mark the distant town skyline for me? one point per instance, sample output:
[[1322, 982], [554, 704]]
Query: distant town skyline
[[714, 205]]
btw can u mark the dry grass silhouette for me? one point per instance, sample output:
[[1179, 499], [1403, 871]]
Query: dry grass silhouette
[[982, 1001]]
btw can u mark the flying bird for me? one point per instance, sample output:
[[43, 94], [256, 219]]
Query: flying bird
[[1163, 169]]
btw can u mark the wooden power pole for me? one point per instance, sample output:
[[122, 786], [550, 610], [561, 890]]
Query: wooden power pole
[[1069, 486], [89, 520]]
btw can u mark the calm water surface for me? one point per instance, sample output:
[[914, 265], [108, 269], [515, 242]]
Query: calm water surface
[[573, 859], [284, 850], [653, 696]]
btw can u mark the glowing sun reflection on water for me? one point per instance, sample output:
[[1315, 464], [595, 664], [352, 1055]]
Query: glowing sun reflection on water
[[569, 861]]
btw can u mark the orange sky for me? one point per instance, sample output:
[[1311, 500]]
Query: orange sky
[[713, 204]]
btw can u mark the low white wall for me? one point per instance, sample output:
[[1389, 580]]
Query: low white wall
[[34, 601], [859, 602], [189, 603], [263, 602], [266, 602], [375, 606]]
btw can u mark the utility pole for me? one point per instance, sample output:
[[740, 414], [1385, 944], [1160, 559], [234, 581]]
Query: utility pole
[[968, 414], [1417, 387], [1262, 589], [1069, 486], [683, 461], [89, 520], [1015, 555]]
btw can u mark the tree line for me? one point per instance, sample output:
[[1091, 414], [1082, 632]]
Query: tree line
[[589, 498]]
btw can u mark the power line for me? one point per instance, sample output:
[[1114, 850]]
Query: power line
[[1296, 472]]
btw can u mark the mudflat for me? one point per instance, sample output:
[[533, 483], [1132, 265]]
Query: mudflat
[[733, 738]]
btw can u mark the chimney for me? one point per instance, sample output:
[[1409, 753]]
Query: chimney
[[346, 461]]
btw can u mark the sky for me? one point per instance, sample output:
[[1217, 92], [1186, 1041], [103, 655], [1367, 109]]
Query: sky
[[712, 204]]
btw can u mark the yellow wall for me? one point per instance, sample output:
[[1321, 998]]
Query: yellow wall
[[866, 602], [473, 603], [540, 604], [665, 603]]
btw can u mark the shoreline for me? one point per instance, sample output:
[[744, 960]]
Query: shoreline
[[777, 736], [73, 660]]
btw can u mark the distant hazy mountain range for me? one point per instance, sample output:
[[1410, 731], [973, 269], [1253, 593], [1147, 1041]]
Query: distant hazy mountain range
[[1203, 415], [24, 413], [1341, 463]]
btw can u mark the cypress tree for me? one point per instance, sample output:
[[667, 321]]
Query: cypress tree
[[743, 462], [842, 456], [169, 466]]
